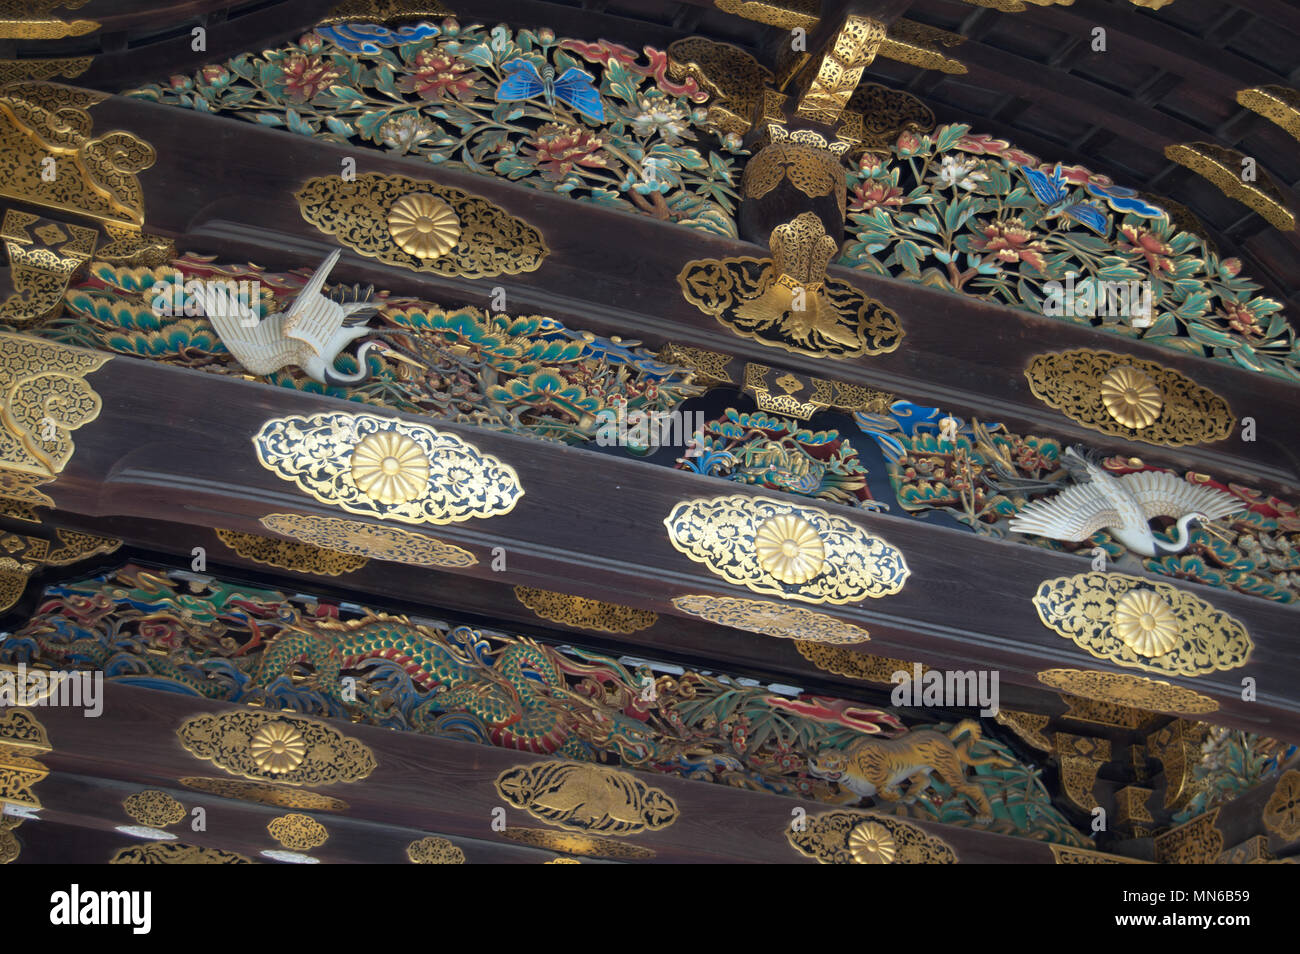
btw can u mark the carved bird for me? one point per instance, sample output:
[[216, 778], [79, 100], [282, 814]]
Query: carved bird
[[1123, 506], [310, 334]]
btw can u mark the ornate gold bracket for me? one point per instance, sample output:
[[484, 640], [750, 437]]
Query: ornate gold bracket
[[22, 555], [1121, 687], [1281, 104], [1081, 757], [42, 260], [1223, 167], [1197, 842], [787, 301], [841, 66], [1127, 397], [1177, 747], [582, 613]]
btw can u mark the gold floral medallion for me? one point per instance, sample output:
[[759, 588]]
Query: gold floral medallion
[[872, 844], [1145, 623], [423, 226], [390, 467], [278, 747], [789, 548], [1130, 397]]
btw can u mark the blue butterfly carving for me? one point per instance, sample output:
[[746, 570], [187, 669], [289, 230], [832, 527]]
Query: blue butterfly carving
[[1054, 193], [575, 87], [1124, 200]]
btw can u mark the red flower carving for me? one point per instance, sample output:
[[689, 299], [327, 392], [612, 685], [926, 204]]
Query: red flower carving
[[434, 75], [1149, 246], [306, 76], [1011, 242], [556, 149]]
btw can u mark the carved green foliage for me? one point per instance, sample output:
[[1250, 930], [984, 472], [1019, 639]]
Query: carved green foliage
[[954, 210], [435, 98]]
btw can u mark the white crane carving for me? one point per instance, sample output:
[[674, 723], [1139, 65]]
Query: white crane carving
[[1123, 506], [310, 334]]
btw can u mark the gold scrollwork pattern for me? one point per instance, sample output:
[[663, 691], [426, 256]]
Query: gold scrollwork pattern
[[153, 808], [1281, 104], [1099, 613], [43, 398], [392, 544], [452, 480], [865, 838], [286, 555], [843, 662], [1065, 855], [1222, 166], [851, 52], [174, 853], [1129, 690], [710, 367], [1281, 815], [788, 302], [732, 77], [298, 832], [95, 177], [807, 162], [1071, 382], [67, 68], [771, 619], [42, 260], [578, 843], [921, 45], [587, 798], [489, 241], [1030, 726], [434, 851], [22, 555], [265, 793], [276, 747], [582, 613], [1081, 757], [786, 15], [1177, 747], [725, 533], [21, 736], [1197, 842]]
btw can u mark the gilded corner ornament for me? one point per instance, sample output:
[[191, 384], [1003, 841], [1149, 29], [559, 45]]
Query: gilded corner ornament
[[582, 613], [788, 301], [1127, 397], [1139, 692], [387, 468], [582, 797], [771, 619], [44, 397], [795, 552], [42, 260], [421, 226], [287, 555], [865, 838], [1142, 623]]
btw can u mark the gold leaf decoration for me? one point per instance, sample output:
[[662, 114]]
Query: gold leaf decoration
[[1125, 689], [1029, 726], [771, 619], [857, 837], [423, 226], [1064, 855], [1196, 842], [787, 15], [1223, 167], [587, 798], [723, 533], [1281, 104], [576, 843], [1281, 815], [1143, 624], [389, 467], [1130, 397], [789, 548], [434, 851], [299, 557], [317, 455], [298, 832], [265, 793], [226, 739], [490, 242], [1075, 383], [855, 665], [174, 853], [44, 397], [368, 540], [154, 809], [582, 613]]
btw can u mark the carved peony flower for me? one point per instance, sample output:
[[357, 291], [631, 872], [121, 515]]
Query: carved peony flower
[[789, 548], [871, 843], [1142, 242], [423, 226], [1240, 319], [404, 133], [870, 193], [1131, 397], [656, 113], [390, 467], [435, 74], [1011, 242], [557, 148], [278, 747], [958, 172], [1145, 623], [306, 76]]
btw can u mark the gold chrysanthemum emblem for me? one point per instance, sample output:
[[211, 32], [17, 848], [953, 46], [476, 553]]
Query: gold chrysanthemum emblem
[[1146, 623], [1131, 397], [789, 548], [423, 226], [278, 747], [872, 844], [390, 467]]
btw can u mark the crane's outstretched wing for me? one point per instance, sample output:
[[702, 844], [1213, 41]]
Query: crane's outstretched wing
[[1161, 494], [261, 348], [1074, 514], [313, 319]]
